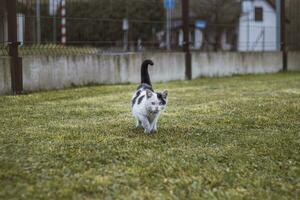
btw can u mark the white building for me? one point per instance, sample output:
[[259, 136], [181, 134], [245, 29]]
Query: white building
[[257, 26], [256, 30]]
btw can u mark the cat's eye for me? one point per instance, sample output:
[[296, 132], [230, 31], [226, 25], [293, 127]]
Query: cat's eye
[[160, 103], [153, 103]]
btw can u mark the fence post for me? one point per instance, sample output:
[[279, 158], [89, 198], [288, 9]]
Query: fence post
[[283, 36], [15, 61], [186, 39], [63, 22], [38, 21], [278, 24]]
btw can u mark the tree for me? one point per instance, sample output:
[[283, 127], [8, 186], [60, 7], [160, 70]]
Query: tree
[[101, 20]]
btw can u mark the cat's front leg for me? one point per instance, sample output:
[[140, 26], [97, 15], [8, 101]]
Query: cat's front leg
[[146, 126], [138, 123], [145, 123], [154, 124]]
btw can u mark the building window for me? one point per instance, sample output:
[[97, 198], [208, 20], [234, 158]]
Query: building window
[[259, 17]]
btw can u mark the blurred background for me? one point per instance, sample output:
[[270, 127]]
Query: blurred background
[[150, 25], [46, 44]]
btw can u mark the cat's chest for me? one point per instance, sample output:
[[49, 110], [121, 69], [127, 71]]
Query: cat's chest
[[152, 116]]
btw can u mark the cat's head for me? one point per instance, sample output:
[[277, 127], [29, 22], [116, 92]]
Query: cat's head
[[156, 101]]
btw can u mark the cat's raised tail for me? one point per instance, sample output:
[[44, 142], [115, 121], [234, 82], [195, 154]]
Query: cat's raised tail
[[144, 72]]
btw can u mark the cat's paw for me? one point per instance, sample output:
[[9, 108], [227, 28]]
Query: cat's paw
[[147, 131], [138, 126]]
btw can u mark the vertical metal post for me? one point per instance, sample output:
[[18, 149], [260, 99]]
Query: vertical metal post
[[38, 21], [186, 39], [125, 27], [283, 36], [264, 38], [169, 5], [63, 22], [170, 28], [168, 25], [52, 12], [16, 62], [125, 40], [54, 21], [248, 29], [54, 29], [278, 24]]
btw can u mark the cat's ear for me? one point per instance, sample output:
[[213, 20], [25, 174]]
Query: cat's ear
[[165, 94], [148, 93]]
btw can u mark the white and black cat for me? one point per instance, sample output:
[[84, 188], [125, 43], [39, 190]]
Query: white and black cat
[[147, 105]]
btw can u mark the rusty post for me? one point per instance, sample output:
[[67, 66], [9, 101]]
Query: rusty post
[[16, 62], [283, 36], [186, 39]]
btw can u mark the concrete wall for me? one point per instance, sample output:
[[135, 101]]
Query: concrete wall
[[52, 72], [229, 63], [43, 72], [294, 61], [5, 78]]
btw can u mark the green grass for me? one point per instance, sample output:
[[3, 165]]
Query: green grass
[[220, 138]]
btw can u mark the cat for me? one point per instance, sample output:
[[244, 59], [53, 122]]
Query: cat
[[146, 104]]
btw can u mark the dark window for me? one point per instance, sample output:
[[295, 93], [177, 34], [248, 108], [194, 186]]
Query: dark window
[[259, 17]]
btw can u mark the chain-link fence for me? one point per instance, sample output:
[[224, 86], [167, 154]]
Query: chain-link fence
[[109, 25], [148, 25]]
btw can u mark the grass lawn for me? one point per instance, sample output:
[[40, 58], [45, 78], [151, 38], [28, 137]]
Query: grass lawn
[[220, 138]]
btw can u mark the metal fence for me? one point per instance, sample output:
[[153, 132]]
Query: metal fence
[[146, 25], [109, 25]]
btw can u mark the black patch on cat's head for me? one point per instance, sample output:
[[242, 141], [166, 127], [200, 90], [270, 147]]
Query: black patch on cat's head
[[161, 99], [136, 96], [141, 99]]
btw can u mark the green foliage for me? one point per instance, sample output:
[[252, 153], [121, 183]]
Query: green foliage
[[220, 138], [102, 19], [97, 21]]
